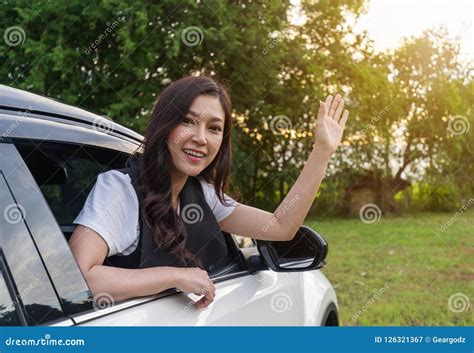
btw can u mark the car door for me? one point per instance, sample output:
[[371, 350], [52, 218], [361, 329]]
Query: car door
[[265, 298]]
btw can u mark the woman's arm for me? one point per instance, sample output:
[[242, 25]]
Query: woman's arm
[[90, 249], [283, 224]]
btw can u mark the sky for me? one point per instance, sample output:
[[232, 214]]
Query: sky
[[388, 21]]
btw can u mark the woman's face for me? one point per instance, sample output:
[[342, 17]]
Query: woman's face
[[200, 133]]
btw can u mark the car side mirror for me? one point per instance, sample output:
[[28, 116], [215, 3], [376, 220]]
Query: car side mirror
[[306, 251]]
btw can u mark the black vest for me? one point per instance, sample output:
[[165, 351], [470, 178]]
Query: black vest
[[203, 235]]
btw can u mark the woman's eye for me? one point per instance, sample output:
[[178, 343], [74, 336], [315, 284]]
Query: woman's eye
[[188, 121], [216, 128]]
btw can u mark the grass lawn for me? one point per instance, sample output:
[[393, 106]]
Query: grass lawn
[[402, 271]]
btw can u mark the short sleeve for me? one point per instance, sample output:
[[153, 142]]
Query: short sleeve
[[111, 210], [220, 211]]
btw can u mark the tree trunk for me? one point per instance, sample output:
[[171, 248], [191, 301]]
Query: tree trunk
[[388, 190]]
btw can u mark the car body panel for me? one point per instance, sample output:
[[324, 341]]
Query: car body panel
[[45, 130], [314, 293], [27, 103], [265, 298]]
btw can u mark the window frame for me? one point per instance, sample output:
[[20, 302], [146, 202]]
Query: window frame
[[11, 288]]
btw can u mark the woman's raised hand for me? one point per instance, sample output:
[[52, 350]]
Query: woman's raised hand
[[329, 124], [196, 281]]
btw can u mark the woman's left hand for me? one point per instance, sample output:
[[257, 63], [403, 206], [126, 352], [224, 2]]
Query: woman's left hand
[[329, 124]]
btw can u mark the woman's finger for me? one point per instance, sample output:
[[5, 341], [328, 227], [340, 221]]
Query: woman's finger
[[343, 120], [209, 296], [202, 303], [322, 109], [212, 289], [208, 292], [337, 114], [334, 105], [328, 103]]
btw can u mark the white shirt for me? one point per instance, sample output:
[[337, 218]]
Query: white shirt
[[111, 210]]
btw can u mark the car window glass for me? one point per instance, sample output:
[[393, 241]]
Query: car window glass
[[66, 200], [67, 173], [8, 312], [22, 260]]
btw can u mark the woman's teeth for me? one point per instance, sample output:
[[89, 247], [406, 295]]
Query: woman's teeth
[[194, 154]]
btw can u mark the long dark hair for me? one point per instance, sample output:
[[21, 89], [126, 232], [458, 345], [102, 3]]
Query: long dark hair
[[172, 106]]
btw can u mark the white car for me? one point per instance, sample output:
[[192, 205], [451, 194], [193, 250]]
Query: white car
[[50, 156]]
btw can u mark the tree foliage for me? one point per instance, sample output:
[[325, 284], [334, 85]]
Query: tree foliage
[[114, 57]]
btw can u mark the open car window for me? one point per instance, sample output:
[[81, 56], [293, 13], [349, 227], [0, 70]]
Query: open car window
[[66, 173]]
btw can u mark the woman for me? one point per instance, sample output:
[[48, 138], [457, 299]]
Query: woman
[[131, 239]]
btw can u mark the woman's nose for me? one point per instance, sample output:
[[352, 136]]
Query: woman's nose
[[199, 136]]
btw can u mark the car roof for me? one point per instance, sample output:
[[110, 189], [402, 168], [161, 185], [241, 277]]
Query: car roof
[[34, 105]]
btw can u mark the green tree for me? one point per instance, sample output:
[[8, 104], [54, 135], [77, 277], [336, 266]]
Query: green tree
[[405, 103], [114, 57]]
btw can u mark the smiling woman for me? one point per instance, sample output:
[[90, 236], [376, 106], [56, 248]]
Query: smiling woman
[[195, 143], [157, 223]]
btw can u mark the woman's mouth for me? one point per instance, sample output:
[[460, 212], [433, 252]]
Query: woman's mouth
[[193, 156]]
